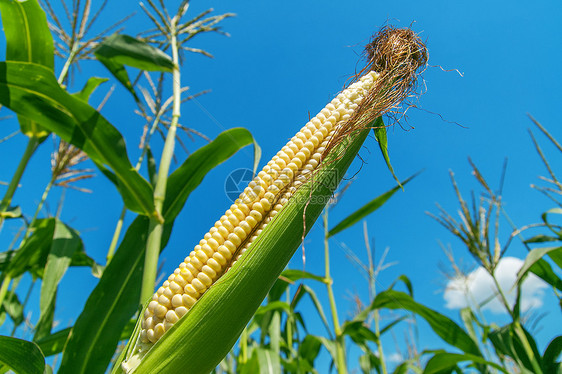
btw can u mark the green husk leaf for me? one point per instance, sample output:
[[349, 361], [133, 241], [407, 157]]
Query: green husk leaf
[[207, 333]]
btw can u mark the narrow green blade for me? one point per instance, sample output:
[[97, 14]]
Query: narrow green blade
[[368, 208]]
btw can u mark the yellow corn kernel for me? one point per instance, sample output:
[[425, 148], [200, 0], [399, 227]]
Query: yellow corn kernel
[[232, 235]]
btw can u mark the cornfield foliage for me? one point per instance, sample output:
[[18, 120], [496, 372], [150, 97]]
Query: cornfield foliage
[[250, 320]]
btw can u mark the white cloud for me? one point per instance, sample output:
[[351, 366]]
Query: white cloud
[[478, 286], [395, 358]]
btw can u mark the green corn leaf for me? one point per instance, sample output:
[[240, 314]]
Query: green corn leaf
[[404, 366], [5, 258], [27, 33], [535, 263], [251, 366], [407, 282], [359, 333], [21, 356], [295, 275], [264, 322], [468, 318], [309, 349], [65, 243], [330, 346], [274, 332], [151, 167], [389, 326], [121, 280], [119, 50], [130, 51], [442, 362], [13, 308], [11, 212], [542, 239], [80, 258], [273, 306], [110, 306], [202, 338], [507, 342], [369, 362], [443, 326], [550, 361], [287, 277], [46, 320], [368, 208], [556, 256], [380, 134], [257, 156], [545, 218], [305, 290], [120, 73], [55, 342], [32, 90], [268, 361], [35, 251], [91, 85], [32, 256], [543, 270], [28, 39]]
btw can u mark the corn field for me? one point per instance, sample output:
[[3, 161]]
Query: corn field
[[259, 289]]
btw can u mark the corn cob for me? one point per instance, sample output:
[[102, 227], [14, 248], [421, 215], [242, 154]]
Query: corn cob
[[231, 236]]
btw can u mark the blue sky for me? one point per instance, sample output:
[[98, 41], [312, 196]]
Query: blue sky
[[284, 60]]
